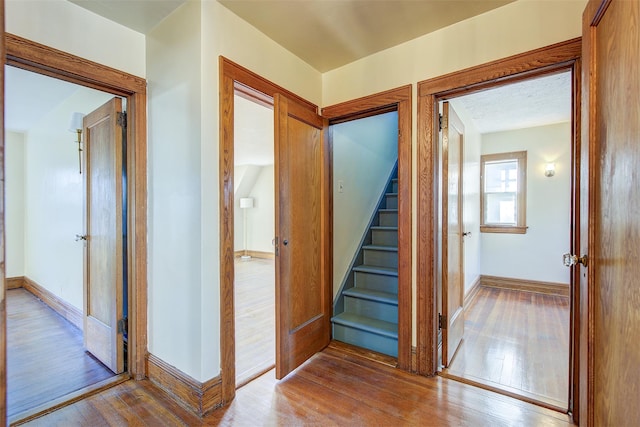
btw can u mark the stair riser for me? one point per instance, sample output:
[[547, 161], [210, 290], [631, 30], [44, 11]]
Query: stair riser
[[373, 309], [389, 219], [381, 258], [384, 237], [394, 186], [376, 282], [365, 339], [392, 202]]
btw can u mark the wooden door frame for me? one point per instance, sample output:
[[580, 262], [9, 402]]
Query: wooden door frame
[[561, 56], [392, 100], [41, 59], [231, 75]]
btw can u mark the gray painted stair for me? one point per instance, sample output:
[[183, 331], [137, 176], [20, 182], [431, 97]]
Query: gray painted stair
[[366, 310]]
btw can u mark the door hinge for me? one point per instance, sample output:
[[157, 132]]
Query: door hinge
[[123, 325], [442, 122], [442, 321], [122, 119]]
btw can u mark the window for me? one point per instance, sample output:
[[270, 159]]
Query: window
[[503, 180]]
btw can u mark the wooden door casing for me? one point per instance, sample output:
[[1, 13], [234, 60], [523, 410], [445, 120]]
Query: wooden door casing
[[303, 288], [609, 287], [103, 272], [452, 252]]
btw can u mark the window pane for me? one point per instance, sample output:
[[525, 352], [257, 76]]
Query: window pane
[[500, 208], [501, 176]]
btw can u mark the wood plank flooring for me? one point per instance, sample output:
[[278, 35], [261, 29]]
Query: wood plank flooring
[[45, 355], [333, 388], [255, 317], [517, 341]]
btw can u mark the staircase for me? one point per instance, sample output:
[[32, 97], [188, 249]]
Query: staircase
[[366, 310]]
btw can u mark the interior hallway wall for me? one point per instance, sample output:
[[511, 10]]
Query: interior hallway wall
[[14, 196]]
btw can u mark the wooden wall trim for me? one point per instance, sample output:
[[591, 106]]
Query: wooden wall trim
[[470, 295], [395, 99], [45, 60], [14, 282], [3, 313], [190, 393], [554, 58], [256, 254], [549, 288], [57, 304], [512, 68]]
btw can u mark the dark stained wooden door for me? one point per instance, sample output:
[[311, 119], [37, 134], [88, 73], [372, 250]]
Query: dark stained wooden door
[[452, 252], [303, 285], [103, 270], [610, 219]]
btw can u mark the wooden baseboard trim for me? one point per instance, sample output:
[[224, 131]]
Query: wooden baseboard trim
[[473, 291], [550, 288], [255, 254], [14, 282], [60, 306], [201, 398]]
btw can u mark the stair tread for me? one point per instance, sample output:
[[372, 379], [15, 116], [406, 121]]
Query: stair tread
[[371, 295], [390, 194], [368, 324], [387, 271], [384, 227], [388, 210], [381, 248]]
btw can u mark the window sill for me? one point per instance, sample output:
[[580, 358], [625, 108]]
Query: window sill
[[508, 229]]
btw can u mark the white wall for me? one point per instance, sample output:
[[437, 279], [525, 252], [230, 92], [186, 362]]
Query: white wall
[[53, 199], [71, 28], [14, 197], [261, 218], [364, 153], [536, 255], [244, 178], [184, 238], [471, 197]]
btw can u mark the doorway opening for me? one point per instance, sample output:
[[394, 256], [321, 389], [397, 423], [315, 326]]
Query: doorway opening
[[508, 176], [50, 181], [254, 231], [439, 310], [130, 256]]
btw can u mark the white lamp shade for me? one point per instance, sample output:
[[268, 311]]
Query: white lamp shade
[[75, 122], [246, 202]]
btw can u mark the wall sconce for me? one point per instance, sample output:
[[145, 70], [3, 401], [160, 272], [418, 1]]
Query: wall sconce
[[75, 125], [245, 203], [549, 170]]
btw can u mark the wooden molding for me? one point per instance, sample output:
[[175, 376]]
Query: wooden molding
[[550, 288], [551, 59], [255, 254], [60, 306], [198, 397], [471, 294], [41, 59], [14, 282]]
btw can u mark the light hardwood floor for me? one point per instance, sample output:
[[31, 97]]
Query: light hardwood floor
[[518, 342], [332, 389], [255, 318], [45, 355]]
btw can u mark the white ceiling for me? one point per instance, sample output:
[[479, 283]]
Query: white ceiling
[[534, 102], [29, 97], [139, 15], [325, 34], [253, 133]]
